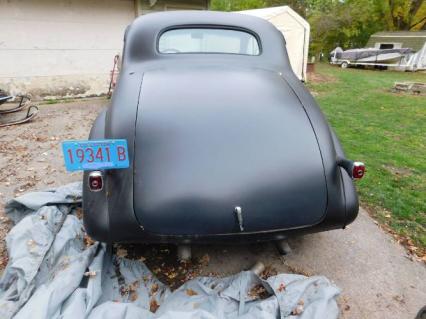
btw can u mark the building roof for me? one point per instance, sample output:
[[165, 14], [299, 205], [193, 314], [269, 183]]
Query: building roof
[[270, 13], [400, 34], [409, 39]]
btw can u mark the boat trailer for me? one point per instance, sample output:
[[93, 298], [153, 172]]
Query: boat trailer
[[379, 58]]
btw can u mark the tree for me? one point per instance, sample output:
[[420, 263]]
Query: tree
[[345, 23], [403, 14], [236, 5], [299, 6]]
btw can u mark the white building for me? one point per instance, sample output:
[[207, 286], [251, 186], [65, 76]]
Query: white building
[[60, 48], [295, 30]]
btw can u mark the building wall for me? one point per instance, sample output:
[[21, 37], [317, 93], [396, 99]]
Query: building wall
[[66, 48], [295, 30], [60, 48], [414, 40], [148, 6], [297, 42]]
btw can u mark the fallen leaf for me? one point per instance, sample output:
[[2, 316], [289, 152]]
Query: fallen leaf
[[172, 275], [258, 291], [268, 272], [88, 241], [130, 290], [121, 252], [153, 305], [90, 273], [298, 310], [133, 296], [281, 287], [154, 289], [191, 292], [205, 260], [79, 213], [31, 244]]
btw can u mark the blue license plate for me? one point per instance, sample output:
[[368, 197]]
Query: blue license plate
[[95, 155]]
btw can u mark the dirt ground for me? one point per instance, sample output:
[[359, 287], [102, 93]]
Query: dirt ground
[[377, 277]]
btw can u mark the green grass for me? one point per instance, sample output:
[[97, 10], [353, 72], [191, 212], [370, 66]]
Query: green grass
[[387, 131], [57, 101]]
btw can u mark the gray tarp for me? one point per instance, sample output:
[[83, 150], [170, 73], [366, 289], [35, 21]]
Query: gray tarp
[[52, 273]]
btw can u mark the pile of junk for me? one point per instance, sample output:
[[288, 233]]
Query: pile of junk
[[16, 109]]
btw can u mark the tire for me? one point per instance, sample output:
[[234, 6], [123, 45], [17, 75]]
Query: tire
[[344, 65]]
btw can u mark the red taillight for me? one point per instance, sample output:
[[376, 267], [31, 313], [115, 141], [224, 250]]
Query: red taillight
[[96, 182], [358, 170]]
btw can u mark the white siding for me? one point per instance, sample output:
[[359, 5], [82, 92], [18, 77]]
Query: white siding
[[52, 47], [144, 6]]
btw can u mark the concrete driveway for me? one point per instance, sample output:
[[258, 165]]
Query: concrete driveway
[[375, 275], [377, 278]]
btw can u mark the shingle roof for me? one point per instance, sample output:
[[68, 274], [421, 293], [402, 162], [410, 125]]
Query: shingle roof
[[409, 39]]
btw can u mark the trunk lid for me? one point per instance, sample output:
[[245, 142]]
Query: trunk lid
[[209, 140]]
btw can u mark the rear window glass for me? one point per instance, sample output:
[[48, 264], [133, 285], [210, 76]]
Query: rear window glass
[[204, 40]]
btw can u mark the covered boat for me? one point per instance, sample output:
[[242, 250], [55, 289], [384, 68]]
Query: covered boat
[[370, 56]]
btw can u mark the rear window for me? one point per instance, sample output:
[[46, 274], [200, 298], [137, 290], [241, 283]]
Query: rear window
[[206, 40]]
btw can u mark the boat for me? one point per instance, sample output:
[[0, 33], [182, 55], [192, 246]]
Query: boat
[[371, 56]]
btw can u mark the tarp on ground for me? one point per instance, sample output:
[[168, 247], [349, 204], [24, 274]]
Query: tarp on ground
[[54, 273]]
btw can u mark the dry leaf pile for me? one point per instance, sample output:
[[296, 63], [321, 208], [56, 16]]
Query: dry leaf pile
[[299, 308], [258, 292], [162, 261], [269, 271]]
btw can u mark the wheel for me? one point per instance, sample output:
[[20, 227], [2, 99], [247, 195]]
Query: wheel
[[344, 65]]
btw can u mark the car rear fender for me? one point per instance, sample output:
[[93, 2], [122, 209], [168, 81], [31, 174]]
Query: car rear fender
[[95, 205], [341, 191], [351, 197], [120, 124]]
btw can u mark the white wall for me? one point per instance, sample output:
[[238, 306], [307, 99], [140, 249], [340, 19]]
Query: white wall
[[60, 47], [294, 34], [295, 30], [144, 6]]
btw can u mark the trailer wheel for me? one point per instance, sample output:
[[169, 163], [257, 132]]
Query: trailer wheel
[[344, 65]]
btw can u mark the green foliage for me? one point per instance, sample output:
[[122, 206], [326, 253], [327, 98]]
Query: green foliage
[[345, 23], [403, 14], [386, 131], [238, 5]]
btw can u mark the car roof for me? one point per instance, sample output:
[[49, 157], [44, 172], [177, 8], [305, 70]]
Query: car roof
[[142, 35]]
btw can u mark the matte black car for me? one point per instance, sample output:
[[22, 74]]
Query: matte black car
[[225, 143]]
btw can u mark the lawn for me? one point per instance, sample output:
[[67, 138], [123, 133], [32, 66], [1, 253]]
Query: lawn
[[387, 131]]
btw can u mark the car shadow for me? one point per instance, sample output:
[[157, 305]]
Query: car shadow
[[218, 260]]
